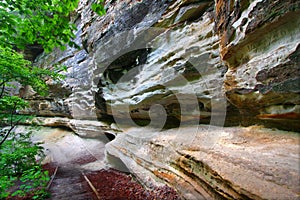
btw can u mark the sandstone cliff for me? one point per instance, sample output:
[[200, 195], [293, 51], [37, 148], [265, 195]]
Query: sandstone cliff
[[178, 64]]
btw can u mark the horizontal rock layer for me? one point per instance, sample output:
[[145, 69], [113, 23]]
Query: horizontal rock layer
[[204, 162], [82, 128], [260, 43], [213, 62]]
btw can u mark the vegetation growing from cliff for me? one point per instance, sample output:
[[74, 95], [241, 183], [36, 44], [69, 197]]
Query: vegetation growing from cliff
[[25, 24]]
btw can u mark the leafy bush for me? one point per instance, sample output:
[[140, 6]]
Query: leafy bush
[[19, 165]]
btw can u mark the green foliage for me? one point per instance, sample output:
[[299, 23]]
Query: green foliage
[[44, 22], [18, 163], [13, 68], [5, 183], [98, 7], [23, 23]]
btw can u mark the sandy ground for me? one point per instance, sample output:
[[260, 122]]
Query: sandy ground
[[63, 147]]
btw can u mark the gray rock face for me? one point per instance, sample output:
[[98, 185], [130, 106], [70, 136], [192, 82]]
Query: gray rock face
[[176, 70], [177, 64], [200, 61]]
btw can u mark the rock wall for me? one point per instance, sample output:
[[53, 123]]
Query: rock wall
[[238, 60], [260, 45], [202, 162], [177, 64]]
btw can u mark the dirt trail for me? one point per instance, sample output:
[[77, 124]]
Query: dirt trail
[[74, 155], [71, 155], [70, 184]]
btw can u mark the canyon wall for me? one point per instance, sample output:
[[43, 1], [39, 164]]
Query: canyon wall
[[152, 73]]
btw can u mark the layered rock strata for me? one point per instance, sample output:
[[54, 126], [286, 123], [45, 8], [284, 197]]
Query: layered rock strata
[[232, 61], [207, 162], [260, 44], [177, 64]]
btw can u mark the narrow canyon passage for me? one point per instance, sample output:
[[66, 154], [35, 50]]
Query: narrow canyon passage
[[218, 81], [67, 157], [79, 171]]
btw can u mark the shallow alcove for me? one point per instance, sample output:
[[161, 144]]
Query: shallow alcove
[[110, 136]]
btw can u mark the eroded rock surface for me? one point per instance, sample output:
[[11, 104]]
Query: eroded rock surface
[[178, 64], [207, 162], [237, 60], [260, 45], [83, 128]]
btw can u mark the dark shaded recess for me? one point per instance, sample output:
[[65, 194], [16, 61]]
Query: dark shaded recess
[[65, 128], [284, 124], [189, 71], [100, 104], [85, 45], [171, 122], [206, 6], [110, 136], [281, 124], [114, 72], [125, 62], [233, 116], [248, 117], [295, 56], [32, 51]]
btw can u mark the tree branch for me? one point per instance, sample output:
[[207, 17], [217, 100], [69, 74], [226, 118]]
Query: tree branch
[[7, 134], [2, 85], [12, 125]]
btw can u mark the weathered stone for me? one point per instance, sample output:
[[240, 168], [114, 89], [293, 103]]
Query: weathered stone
[[206, 162], [192, 12], [260, 44], [83, 128], [182, 62], [172, 64], [47, 107], [63, 148]]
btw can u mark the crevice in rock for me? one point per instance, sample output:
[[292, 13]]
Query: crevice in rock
[[123, 64], [64, 128], [31, 52], [110, 136]]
